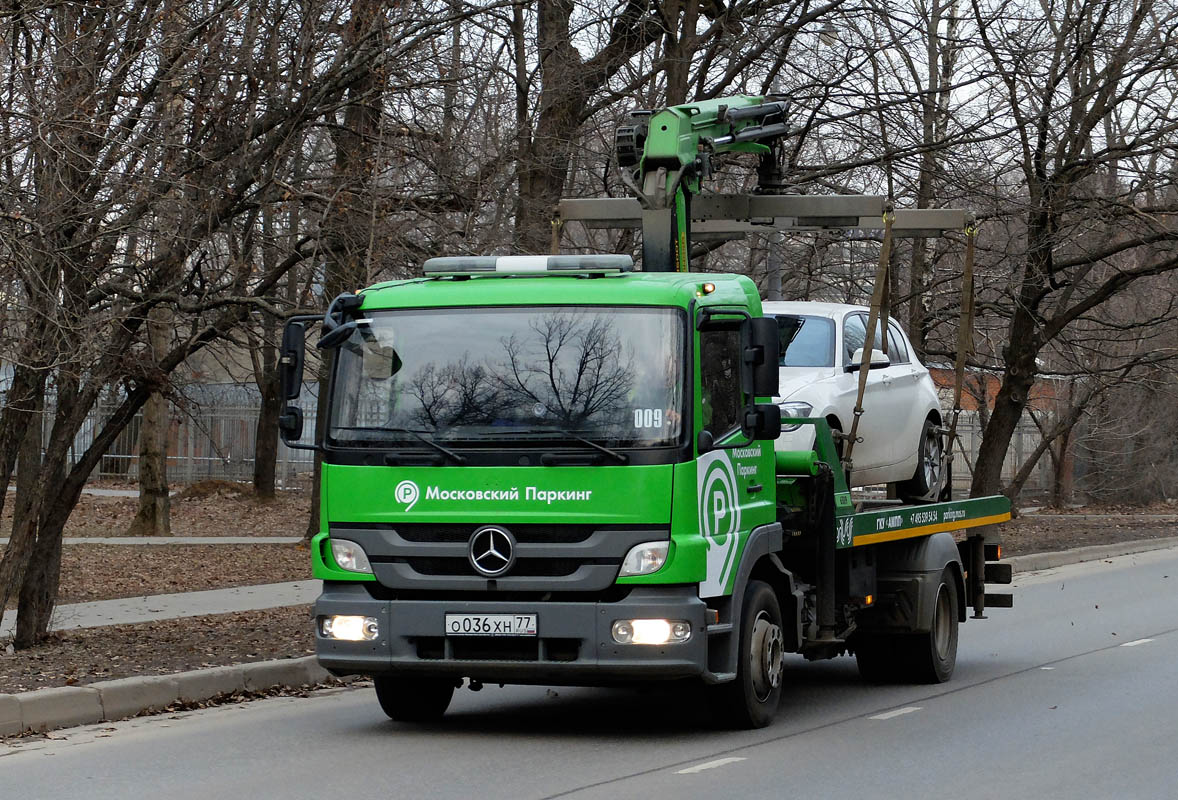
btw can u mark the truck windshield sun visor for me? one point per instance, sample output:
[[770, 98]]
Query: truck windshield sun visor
[[601, 378]]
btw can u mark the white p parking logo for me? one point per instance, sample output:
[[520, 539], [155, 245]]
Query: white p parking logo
[[407, 492], [719, 508]]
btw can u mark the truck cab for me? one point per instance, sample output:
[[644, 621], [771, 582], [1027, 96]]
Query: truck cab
[[541, 470]]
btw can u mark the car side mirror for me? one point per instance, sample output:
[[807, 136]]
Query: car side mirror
[[879, 360]]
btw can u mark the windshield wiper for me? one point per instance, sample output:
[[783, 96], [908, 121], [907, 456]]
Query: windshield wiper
[[621, 457], [453, 456], [457, 458]]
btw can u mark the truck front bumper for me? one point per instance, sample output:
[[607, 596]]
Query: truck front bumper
[[574, 645]]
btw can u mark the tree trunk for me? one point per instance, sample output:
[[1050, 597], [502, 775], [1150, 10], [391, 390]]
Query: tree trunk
[[266, 375], [38, 592], [266, 439], [154, 516], [1013, 394]]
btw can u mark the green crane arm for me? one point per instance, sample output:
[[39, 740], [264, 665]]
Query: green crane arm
[[666, 154]]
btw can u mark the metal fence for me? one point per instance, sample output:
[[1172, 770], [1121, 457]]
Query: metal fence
[[213, 436], [1022, 444]]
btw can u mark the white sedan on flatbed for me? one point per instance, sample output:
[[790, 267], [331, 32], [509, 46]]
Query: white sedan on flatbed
[[822, 352]]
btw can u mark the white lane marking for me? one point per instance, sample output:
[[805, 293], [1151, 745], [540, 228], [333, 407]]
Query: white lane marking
[[1136, 642], [719, 762], [898, 712], [1046, 667]]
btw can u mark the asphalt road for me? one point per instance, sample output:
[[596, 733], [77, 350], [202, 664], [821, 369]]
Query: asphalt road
[[1073, 693]]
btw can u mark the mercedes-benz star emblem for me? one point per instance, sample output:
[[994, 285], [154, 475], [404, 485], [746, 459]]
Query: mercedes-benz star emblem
[[491, 551]]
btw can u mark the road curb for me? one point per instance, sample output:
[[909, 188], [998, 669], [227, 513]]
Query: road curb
[[107, 701], [1059, 558]]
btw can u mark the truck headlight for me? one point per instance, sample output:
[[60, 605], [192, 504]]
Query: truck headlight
[[349, 628], [650, 631], [645, 558], [796, 410], [350, 556]]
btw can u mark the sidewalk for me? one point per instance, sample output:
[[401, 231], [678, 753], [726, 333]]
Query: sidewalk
[[130, 610]]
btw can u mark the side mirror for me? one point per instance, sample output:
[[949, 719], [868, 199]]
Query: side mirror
[[336, 336], [762, 421], [761, 357], [879, 360], [705, 442], [290, 424], [290, 360]]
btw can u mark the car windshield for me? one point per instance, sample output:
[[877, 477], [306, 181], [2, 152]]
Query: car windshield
[[516, 375], [806, 341]]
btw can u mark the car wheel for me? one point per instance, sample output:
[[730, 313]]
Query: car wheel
[[925, 485]]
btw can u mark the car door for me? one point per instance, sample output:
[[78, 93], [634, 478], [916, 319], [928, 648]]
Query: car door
[[883, 406], [866, 453], [904, 376]]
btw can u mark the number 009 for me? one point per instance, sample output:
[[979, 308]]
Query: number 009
[[648, 418]]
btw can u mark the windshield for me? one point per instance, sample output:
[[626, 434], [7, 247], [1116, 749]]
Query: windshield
[[806, 341], [612, 375]]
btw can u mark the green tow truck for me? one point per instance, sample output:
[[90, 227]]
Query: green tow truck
[[560, 470]]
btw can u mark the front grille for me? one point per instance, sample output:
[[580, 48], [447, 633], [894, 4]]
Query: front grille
[[548, 557], [539, 534], [526, 567]]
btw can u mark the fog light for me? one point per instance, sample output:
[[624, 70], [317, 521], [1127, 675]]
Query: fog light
[[350, 556], [651, 631], [349, 628]]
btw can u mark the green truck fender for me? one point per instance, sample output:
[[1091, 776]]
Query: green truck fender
[[758, 561]]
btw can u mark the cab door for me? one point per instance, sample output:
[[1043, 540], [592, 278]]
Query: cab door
[[734, 485]]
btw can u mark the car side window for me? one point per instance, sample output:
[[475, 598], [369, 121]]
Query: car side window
[[719, 377], [897, 352], [854, 335]]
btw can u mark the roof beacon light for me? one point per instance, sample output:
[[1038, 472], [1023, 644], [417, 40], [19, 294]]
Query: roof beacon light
[[526, 265]]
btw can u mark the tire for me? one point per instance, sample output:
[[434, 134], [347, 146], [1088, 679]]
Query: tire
[[925, 485], [915, 657], [414, 699], [751, 700], [933, 655]]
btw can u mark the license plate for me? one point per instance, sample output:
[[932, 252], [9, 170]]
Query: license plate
[[490, 624]]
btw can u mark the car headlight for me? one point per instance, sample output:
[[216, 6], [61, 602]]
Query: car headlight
[[350, 556], [796, 410], [644, 558]]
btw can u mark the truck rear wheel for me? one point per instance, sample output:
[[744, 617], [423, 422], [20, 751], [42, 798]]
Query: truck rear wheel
[[915, 657], [933, 655], [414, 699], [752, 699]]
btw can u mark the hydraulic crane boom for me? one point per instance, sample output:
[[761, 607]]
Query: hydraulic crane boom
[[666, 154]]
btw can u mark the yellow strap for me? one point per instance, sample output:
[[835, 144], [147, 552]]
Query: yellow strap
[[964, 330], [877, 301]]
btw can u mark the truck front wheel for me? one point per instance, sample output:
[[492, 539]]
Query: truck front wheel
[[414, 699], [752, 699]]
